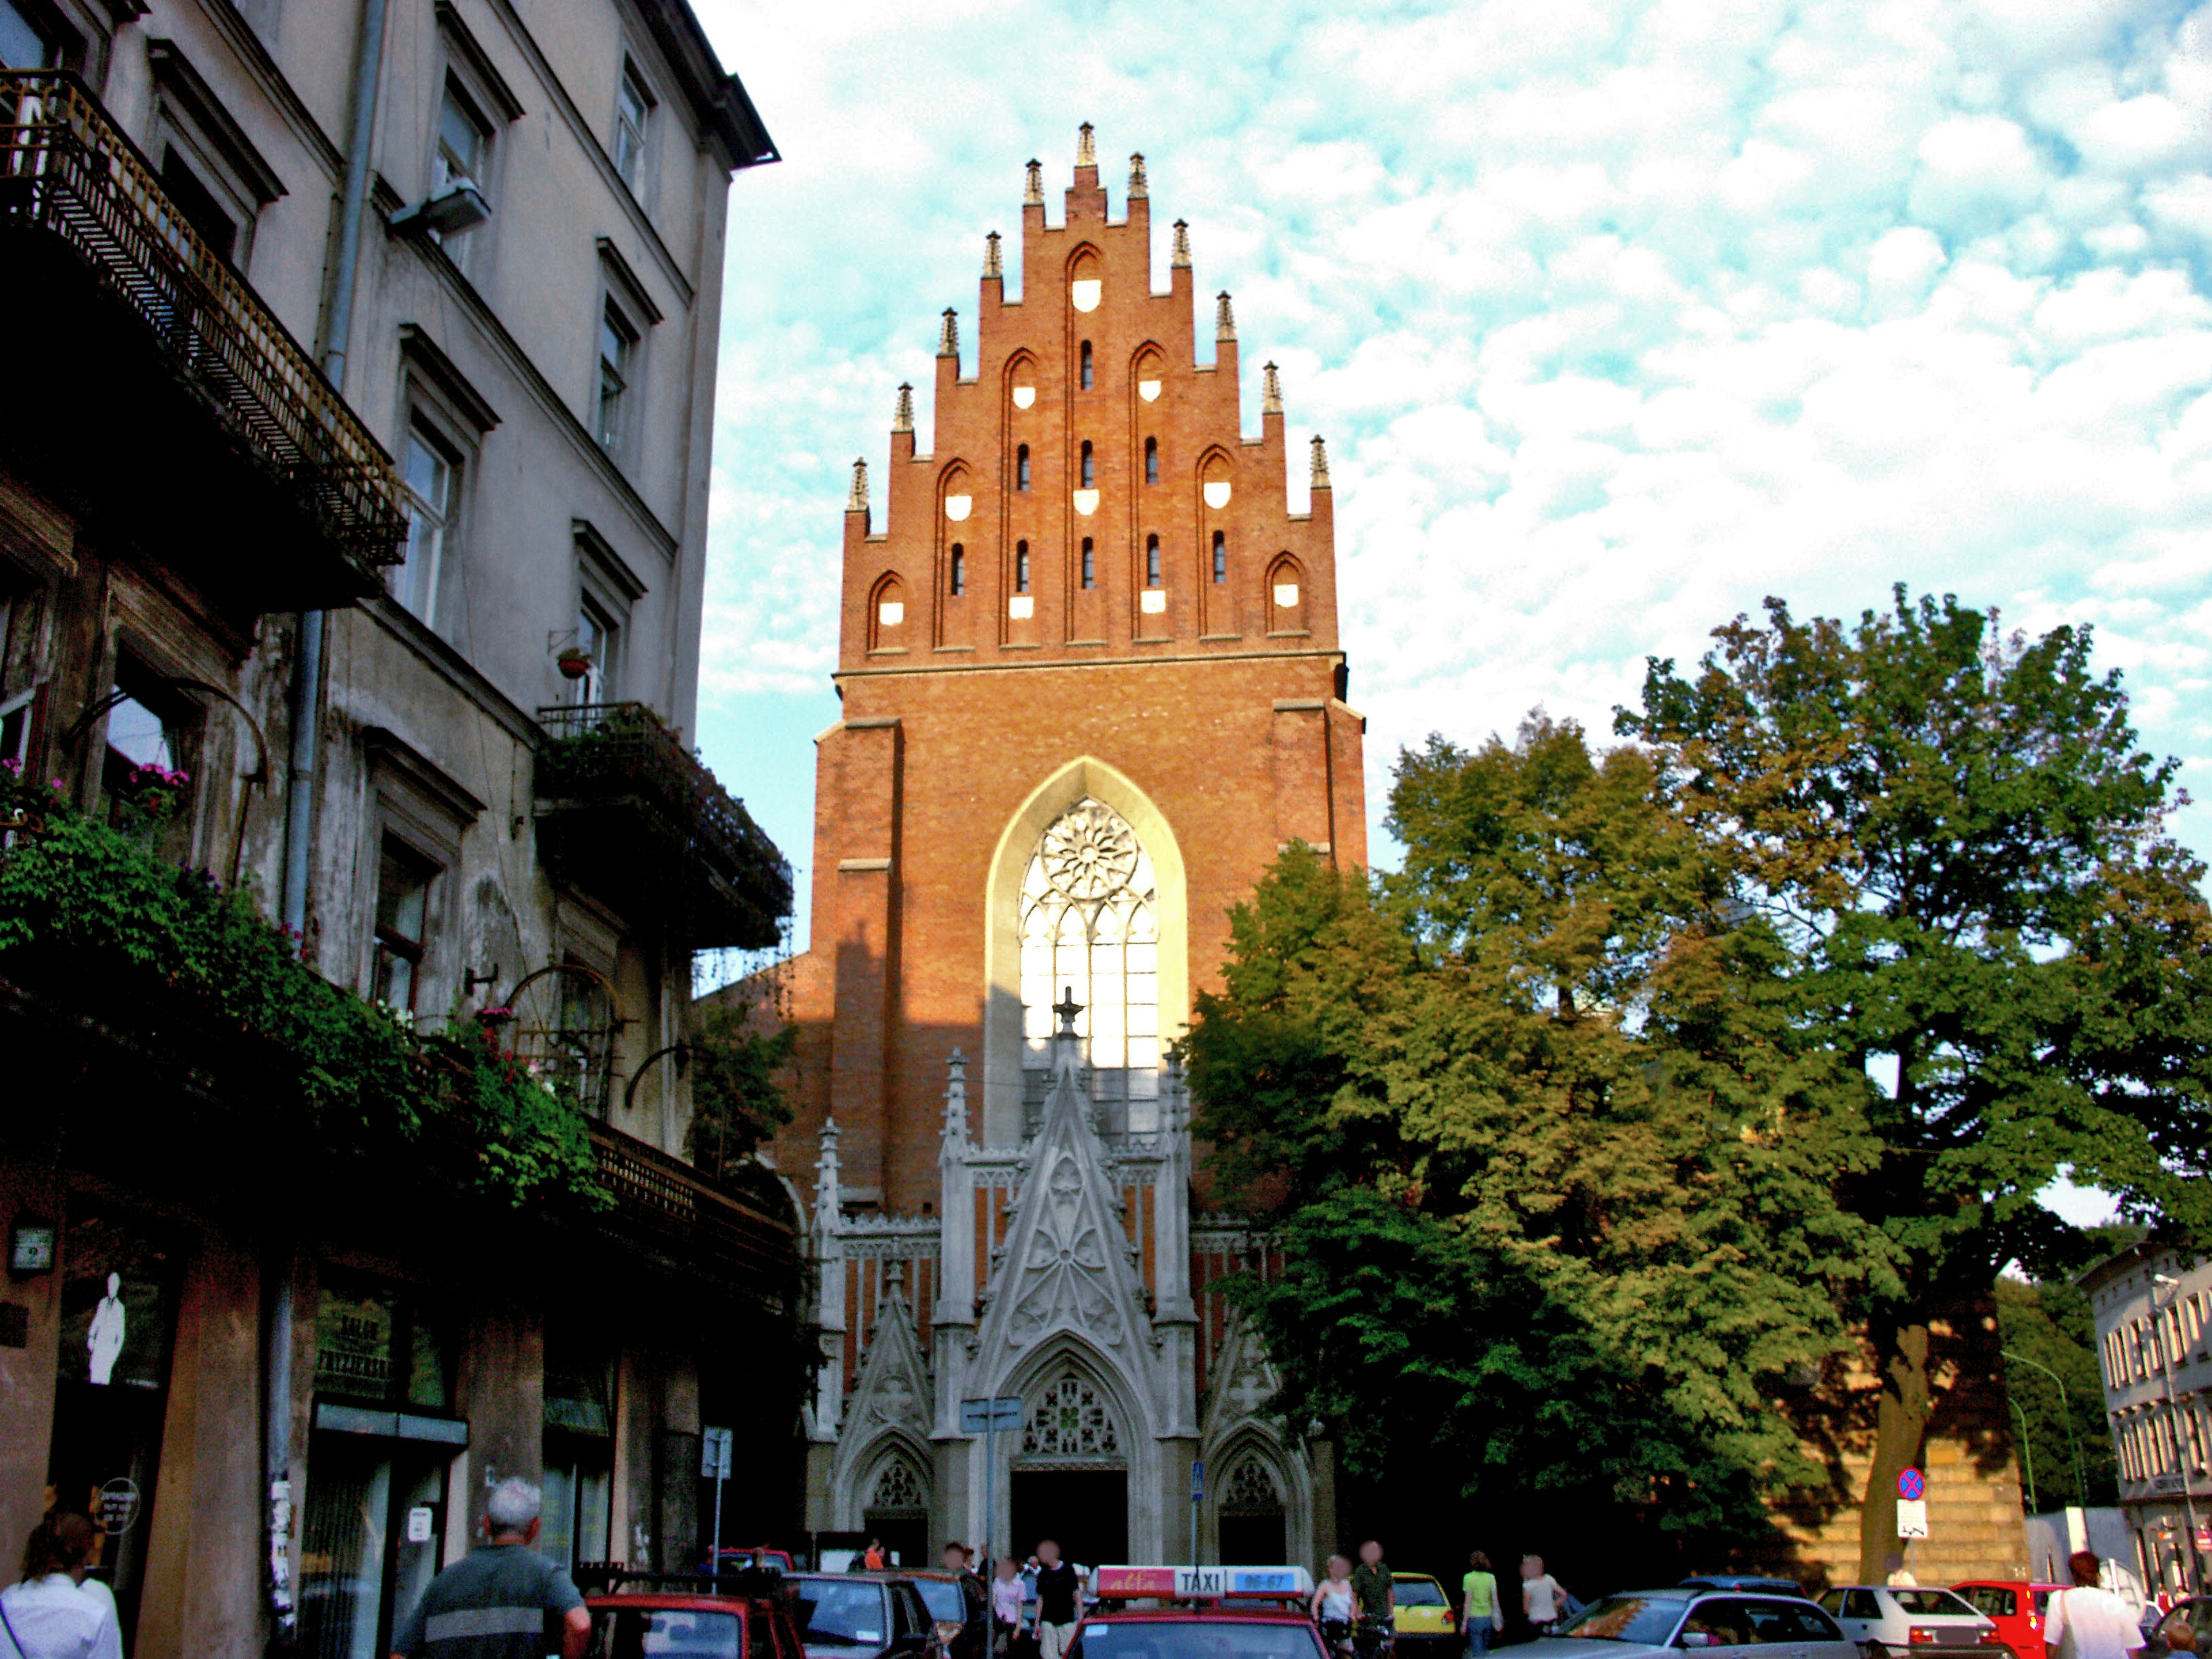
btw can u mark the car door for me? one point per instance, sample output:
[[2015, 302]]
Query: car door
[[1720, 1627], [1791, 1627]]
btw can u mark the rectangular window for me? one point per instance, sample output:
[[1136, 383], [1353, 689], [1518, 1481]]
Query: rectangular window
[[618, 344], [463, 135], [23, 45], [1090, 564], [959, 570], [599, 636], [145, 773], [1021, 568], [402, 908], [430, 474], [632, 111], [199, 204]]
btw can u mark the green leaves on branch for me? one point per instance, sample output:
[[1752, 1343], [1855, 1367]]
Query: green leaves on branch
[[72, 886]]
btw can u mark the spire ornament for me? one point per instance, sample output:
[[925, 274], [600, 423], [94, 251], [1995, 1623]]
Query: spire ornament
[[1320, 464], [948, 336], [1224, 319], [1087, 152], [1271, 391], [1033, 193], [1180, 258], [902, 417], [992, 266], [858, 500], [1138, 190]]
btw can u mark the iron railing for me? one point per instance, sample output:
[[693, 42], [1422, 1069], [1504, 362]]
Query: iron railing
[[66, 169], [667, 1208], [695, 856]]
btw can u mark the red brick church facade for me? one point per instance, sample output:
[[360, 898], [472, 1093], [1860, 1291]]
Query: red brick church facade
[[1091, 685]]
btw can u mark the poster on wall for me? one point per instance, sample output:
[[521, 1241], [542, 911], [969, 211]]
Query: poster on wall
[[115, 1304]]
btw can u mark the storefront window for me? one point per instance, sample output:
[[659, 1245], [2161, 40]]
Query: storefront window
[[579, 1448], [119, 1301]]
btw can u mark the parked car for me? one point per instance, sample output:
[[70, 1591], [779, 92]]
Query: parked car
[[1650, 1623], [2016, 1606], [1424, 1614], [1884, 1620], [2195, 1612], [687, 1617], [948, 1608], [735, 1558], [862, 1615], [1748, 1583]]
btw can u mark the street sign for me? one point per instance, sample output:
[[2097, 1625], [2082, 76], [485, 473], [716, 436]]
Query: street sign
[[1912, 1486], [1912, 1517], [1197, 1480], [715, 1454], [982, 1416]]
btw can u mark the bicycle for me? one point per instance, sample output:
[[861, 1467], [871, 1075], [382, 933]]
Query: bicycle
[[1375, 1637]]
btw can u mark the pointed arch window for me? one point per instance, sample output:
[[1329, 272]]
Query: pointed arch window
[[1151, 460], [1089, 924], [1090, 564], [1022, 467], [1090, 378], [1071, 1423], [1089, 466]]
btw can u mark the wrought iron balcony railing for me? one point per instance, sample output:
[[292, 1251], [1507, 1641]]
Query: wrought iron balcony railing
[[67, 175], [666, 1209], [627, 813]]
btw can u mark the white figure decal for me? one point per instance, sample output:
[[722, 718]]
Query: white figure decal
[[105, 1338]]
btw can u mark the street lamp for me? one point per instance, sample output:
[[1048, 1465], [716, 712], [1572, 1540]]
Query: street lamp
[[2173, 1414], [2065, 1418]]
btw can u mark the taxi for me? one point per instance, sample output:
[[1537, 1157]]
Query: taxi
[[1425, 1618], [1199, 1613]]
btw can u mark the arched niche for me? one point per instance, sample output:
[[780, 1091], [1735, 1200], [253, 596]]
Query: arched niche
[[1089, 776], [1021, 380], [1086, 284], [887, 613], [1286, 597]]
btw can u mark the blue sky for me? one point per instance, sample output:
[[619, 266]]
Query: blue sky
[[1617, 318]]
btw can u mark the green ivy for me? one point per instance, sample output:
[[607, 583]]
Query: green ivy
[[73, 884]]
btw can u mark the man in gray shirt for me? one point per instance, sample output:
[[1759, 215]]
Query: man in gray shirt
[[496, 1603]]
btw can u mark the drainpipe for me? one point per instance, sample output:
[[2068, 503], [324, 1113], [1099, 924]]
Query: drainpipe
[[299, 800]]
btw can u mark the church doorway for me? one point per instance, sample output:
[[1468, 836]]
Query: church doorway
[[1250, 1518], [1085, 1511]]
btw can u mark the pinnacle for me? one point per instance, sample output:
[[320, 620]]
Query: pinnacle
[[1224, 319], [948, 336], [1087, 152], [858, 500], [1033, 193], [1320, 464], [992, 266], [902, 417], [1271, 391], [1180, 258], [1136, 187]]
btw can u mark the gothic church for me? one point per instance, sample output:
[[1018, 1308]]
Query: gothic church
[[1090, 686]]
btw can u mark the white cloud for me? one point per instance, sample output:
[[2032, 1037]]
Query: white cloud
[[1618, 316]]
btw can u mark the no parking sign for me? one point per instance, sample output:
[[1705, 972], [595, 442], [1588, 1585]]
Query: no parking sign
[[1912, 1486]]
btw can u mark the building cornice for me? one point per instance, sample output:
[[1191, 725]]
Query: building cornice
[[961, 670]]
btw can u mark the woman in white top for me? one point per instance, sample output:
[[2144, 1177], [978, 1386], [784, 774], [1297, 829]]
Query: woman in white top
[[1541, 1594], [2088, 1622], [1331, 1606], [47, 1616]]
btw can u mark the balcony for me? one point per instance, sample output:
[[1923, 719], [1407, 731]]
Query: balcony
[[152, 394], [687, 1227], [628, 815]]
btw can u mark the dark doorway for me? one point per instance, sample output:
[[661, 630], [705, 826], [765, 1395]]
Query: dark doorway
[[1253, 1541], [1085, 1511], [905, 1534]]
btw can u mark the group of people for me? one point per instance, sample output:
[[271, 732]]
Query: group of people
[[1001, 1623], [1350, 1593]]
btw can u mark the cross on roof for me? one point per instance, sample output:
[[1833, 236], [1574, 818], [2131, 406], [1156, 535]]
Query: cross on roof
[[1067, 1008]]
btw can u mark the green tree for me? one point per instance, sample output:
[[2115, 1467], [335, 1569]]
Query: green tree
[[1956, 838], [2052, 1374], [1549, 1163], [735, 1059]]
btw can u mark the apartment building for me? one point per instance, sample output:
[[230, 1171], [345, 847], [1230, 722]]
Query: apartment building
[[2151, 1305], [353, 514]]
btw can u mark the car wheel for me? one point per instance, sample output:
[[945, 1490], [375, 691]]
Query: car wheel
[[1873, 1650]]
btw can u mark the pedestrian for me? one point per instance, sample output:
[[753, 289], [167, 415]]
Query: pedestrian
[[47, 1615], [2087, 1621], [1060, 1597], [1373, 1588], [975, 1628], [1005, 1609], [1899, 1575], [1332, 1605], [2179, 1638], [494, 1603], [1541, 1594], [873, 1557], [1479, 1606]]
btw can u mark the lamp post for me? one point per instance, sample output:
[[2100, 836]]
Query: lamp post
[[2066, 1419], [2172, 1428], [2027, 1452]]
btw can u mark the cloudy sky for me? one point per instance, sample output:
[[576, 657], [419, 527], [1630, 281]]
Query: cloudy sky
[[1617, 318]]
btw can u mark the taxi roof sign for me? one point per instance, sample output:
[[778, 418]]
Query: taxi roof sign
[[1201, 1583]]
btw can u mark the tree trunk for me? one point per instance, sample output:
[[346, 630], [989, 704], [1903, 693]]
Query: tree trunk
[[1900, 1428]]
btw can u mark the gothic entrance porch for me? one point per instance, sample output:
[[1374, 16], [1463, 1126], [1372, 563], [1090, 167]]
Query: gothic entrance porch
[[1086, 1511]]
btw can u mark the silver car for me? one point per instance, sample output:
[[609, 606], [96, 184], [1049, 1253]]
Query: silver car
[[1883, 1620], [1640, 1623]]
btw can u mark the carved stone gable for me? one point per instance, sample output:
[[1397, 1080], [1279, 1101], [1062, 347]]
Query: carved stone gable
[[894, 1385]]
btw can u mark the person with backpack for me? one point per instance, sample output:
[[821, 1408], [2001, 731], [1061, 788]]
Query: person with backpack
[[48, 1615]]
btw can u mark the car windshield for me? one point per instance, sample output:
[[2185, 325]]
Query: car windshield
[[665, 1633], [1418, 1593], [1645, 1619], [844, 1612], [1932, 1601], [942, 1597], [1196, 1639]]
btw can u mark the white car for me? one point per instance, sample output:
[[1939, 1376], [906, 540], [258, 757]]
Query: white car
[[1659, 1623], [1883, 1621]]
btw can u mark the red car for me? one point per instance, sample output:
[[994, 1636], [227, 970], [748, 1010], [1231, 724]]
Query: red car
[[2016, 1608], [687, 1617], [1200, 1633]]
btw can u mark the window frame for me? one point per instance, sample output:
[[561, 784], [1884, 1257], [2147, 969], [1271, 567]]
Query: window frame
[[1087, 460], [1089, 575], [388, 943], [1220, 556], [1151, 460], [1152, 574], [436, 437], [1088, 368], [956, 571], [636, 177], [1022, 467], [1021, 566], [610, 416]]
